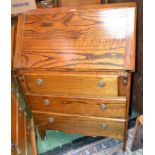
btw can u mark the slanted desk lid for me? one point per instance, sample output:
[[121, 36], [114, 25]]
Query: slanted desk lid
[[100, 37]]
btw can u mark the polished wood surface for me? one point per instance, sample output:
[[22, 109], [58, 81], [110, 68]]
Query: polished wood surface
[[13, 34], [91, 126], [137, 80], [90, 38], [23, 137], [108, 107], [18, 40], [14, 120], [86, 85], [67, 3], [18, 127], [31, 137], [78, 59]]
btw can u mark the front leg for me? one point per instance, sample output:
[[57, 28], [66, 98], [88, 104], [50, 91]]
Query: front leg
[[42, 133]]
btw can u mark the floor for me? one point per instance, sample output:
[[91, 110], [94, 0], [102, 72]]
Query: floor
[[54, 139], [98, 146]]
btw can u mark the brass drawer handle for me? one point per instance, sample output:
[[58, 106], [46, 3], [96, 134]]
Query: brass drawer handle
[[104, 126], [50, 120], [101, 83], [103, 107], [46, 102], [39, 82]]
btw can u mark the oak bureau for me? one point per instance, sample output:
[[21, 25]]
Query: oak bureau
[[74, 67]]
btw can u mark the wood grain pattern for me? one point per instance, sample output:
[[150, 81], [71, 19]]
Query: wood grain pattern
[[13, 37], [32, 139], [68, 3], [18, 126], [13, 34], [82, 39], [72, 50], [14, 120], [70, 84], [90, 126], [118, 73], [137, 80], [124, 90], [22, 129], [116, 107], [18, 40]]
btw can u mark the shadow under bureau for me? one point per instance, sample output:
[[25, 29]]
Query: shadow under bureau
[[74, 67]]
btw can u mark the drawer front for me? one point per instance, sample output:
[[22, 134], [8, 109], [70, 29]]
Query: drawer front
[[91, 126], [73, 85], [113, 108]]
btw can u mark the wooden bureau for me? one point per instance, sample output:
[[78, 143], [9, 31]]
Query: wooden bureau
[[74, 67]]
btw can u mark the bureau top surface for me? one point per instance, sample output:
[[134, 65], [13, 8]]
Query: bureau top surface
[[99, 37]]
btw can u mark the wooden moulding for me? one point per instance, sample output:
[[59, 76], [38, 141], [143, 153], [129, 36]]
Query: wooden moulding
[[19, 41]]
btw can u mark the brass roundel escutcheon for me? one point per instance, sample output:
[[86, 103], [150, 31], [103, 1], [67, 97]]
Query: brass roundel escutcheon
[[101, 83], [103, 106], [50, 120], [39, 82], [46, 102], [104, 126]]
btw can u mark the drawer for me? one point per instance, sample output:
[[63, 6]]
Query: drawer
[[90, 126], [72, 84], [113, 107]]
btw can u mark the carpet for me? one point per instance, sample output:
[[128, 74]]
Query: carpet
[[59, 141], [99, 146], [55, 139]]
